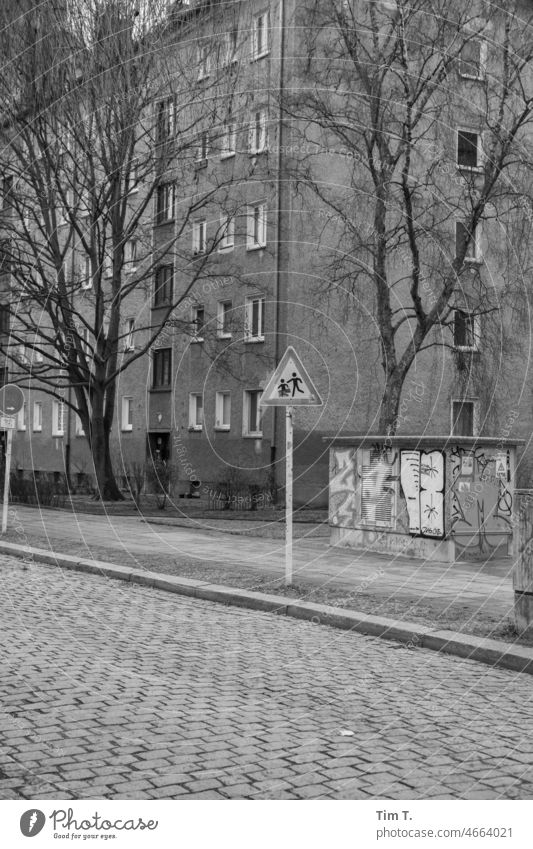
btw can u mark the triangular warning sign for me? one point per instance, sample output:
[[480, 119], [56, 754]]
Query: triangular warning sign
[[501, 467], [290, 385]]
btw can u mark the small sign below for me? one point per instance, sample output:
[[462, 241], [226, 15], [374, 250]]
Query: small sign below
[[290, 385], [7, 422]]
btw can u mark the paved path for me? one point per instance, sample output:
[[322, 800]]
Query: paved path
[[111, 690], [474, 585]]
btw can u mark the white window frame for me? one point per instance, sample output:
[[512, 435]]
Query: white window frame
[[476, 331], [170, 200], [475, 414], [129, 344], [258, 132], [229, 139], [199, 237], [87, 281], [231, 47], [58, 418], [473, 169], [220, 422], [21, 417], [193, 411], [227, 240], [261, 23], [248, 318], [203, 59], [475, 244], [37, 416], [202, 149], [79, 427], [483, 52], [194, 319], [130, 256], [256, 240], [126, 414], [169, 105], [134, 177], [256, 434], [221, 314]]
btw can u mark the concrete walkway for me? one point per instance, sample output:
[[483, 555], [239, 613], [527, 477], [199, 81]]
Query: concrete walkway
[[475, 586]]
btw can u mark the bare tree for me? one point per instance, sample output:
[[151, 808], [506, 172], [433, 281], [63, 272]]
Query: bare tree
[[405, 196], [105, 118]]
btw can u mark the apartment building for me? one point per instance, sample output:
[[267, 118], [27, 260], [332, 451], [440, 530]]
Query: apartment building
[[268, 248]]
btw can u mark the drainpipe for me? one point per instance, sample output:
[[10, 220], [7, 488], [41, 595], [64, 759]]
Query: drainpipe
[[278, 223]]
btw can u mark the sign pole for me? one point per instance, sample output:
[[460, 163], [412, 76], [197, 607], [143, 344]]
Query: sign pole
[[6, 479], [288, 496]]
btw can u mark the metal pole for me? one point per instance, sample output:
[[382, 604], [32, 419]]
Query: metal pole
[[6, 479], [288, 497]]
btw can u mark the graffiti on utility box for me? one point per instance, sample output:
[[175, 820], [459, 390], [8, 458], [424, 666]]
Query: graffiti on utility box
[[422, 479]]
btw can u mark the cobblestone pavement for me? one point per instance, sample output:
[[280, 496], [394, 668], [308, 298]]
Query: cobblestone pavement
[[112, 690]]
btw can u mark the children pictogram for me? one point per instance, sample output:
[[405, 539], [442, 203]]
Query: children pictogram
[[290, 384]]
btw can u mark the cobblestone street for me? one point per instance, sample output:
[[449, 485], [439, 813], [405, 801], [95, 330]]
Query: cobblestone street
[[111, 690]]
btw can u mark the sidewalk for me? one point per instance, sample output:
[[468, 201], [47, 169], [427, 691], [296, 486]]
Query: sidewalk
[[475, 598]]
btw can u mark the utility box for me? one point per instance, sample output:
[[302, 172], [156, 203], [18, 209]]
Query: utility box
[[442, 497]]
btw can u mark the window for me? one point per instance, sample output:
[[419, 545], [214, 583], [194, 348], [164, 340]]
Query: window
[[126, 417], [473, 247], [130, 256], [163, 286], [37, 416], [196, 411], [203, 59], [229, 140], [108, 266], [465, 331], [79, 426], [165, 203], [21, 354], [222, 410], [260, 45], [202, 150], [165, 120], [133, 177], [227, 241], [161, 368], [86, 272], [254, 328], [232, 38], [224, 314], [258, 132], [252, 413], [468, 149], [128, 333], [198, 322], [21, 417], [472, 60], [199, 229], [257, 224], [58, 418], [4, 318], [464, 418]]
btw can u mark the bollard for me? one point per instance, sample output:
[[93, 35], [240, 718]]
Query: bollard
[[523, 567]]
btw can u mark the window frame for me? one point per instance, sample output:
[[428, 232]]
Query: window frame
[[473, 329], [203, 60], [202, 150], [258, 132], [165, 212], [199, 237], [58, 418], [482, 65], [168, 284], [129, 344], [221, 315], [476, 255], [193, 411], [253, 244], [229, 139], [246, 413], [257, 52], [475, 416], [21, 417], [198, 332], [165, 113], [227, 240], [478, 167], [160, 355], [37, 419], [126, 414], [130, 255], [220, 422], [249, 302]]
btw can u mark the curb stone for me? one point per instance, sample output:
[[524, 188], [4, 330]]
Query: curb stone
[[481, 649]]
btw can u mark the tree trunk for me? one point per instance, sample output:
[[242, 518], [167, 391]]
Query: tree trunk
[[106, 485], [389, 417]]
